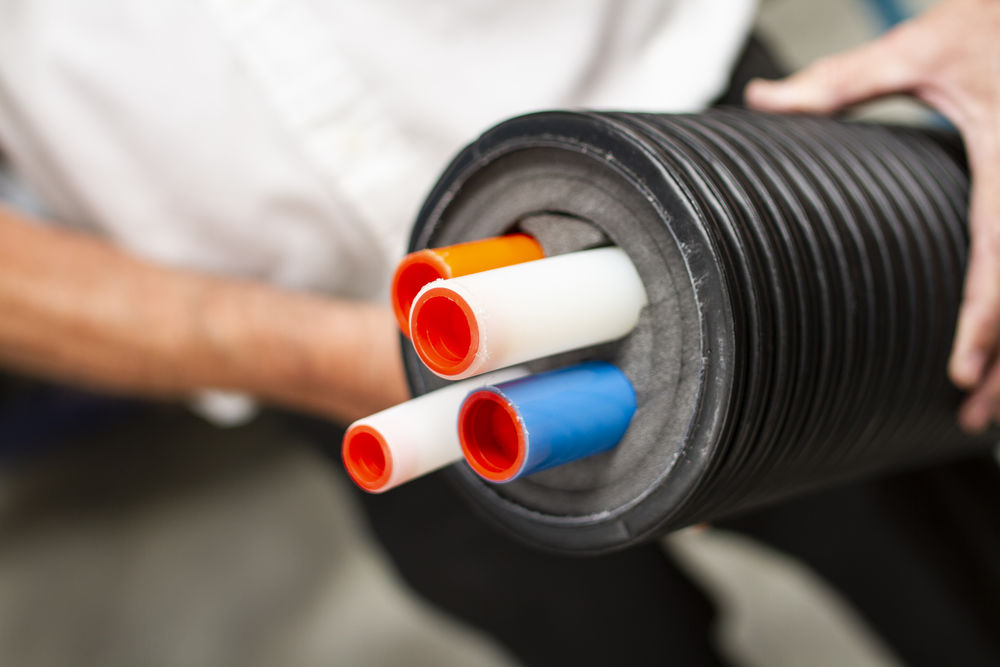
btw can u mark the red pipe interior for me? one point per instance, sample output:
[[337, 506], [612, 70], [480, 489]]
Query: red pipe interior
[[365, 458], [491, 436], [443, 333], [418, 271]]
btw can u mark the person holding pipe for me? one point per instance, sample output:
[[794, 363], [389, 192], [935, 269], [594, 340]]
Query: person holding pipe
[[225, 187], [945, 57], [252, 259], [949, 58], [149, 305]]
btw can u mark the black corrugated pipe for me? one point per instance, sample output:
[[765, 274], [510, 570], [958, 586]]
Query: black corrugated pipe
[[803, 275]]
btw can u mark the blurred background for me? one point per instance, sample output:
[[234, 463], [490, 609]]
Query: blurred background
[[133, 534]]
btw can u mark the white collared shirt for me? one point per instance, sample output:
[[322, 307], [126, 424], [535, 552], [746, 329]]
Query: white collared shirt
[[294, 140]]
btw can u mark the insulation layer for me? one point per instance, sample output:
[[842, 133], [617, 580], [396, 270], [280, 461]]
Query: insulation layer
[[424, 266], [465, 326], [524, 426], [411, 439]]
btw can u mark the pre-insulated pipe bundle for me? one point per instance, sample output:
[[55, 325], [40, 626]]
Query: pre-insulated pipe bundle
[[803, 277]]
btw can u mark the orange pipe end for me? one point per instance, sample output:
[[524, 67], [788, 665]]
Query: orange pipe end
[[416, 270], [491, 436], [425, 266], [366, 457], [445, 333]]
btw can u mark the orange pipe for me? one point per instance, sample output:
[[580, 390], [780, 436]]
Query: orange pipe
[[424, 266]]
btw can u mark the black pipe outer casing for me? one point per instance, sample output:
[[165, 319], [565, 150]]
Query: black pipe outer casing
[[803, 274]]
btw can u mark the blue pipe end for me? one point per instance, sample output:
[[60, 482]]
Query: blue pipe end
[[523, 426]]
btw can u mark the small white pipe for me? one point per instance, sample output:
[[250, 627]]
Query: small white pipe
[[411, 439], [477, 323]]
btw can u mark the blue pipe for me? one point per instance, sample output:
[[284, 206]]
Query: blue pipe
[[523, 426]]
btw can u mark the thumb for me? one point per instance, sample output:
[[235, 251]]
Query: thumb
[[890, 64]]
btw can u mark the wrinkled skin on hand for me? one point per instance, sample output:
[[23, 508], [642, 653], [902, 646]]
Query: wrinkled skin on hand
[[949, 57]]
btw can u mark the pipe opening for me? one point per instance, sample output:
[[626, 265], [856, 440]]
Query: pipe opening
[[491, 436], [444, 332], [414, 272], [366, 457]]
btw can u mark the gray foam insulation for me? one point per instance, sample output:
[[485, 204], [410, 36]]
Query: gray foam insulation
[[569, 202]]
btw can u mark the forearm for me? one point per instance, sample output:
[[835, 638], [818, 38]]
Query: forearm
[[77, 309], [332, 357]]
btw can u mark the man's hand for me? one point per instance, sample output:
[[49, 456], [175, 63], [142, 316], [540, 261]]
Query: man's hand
[[74, 308], [948, 57]]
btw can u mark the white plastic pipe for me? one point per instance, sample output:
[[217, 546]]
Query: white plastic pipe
[[411, 439], [477, 323]]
